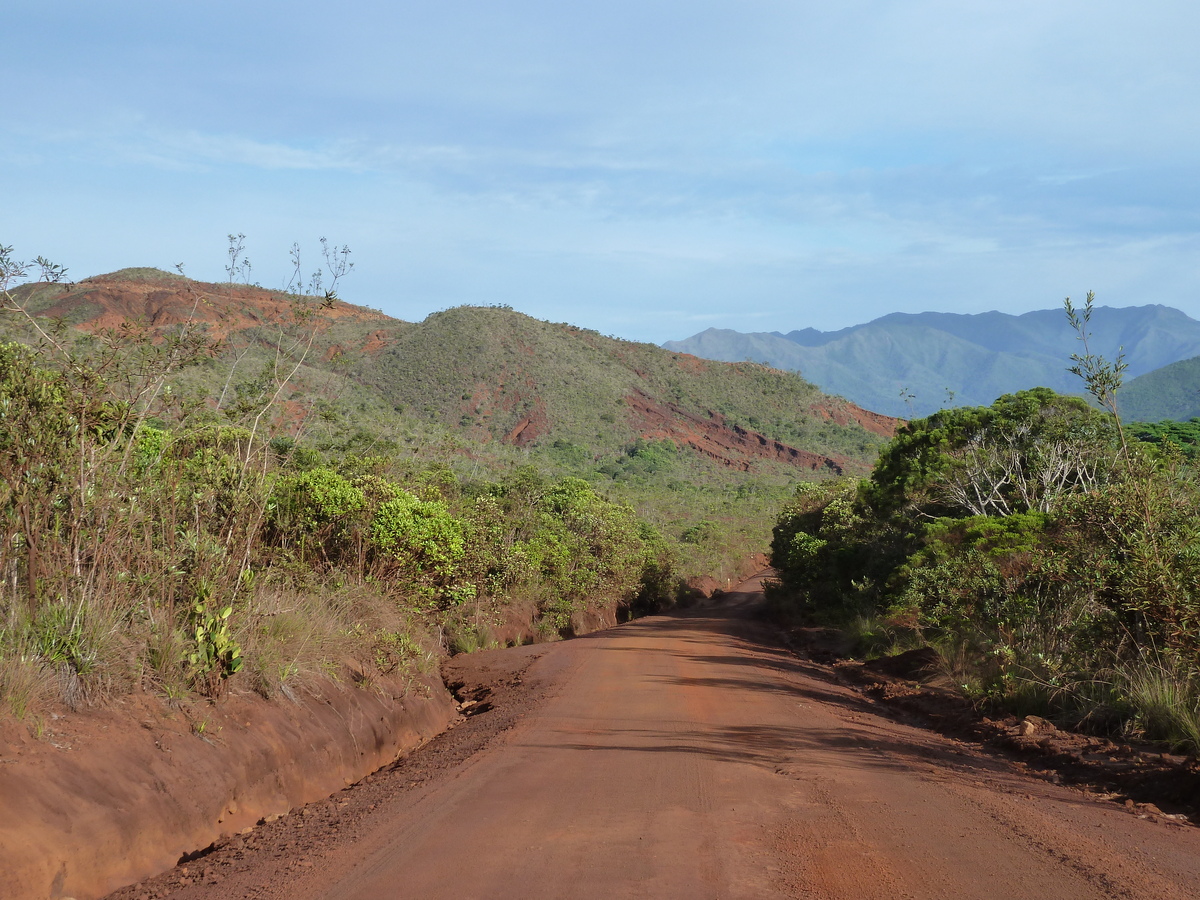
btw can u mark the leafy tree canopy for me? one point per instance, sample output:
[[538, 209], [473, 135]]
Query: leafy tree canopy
[[1021, 454]]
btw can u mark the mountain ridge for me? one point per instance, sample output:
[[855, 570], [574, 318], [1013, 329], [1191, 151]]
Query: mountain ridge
[[908, 364]]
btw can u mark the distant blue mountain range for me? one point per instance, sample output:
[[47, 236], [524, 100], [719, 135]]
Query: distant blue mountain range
[[907, 365]]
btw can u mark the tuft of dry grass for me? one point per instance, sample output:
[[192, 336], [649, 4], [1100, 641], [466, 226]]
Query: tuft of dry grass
[[1164, 696], [26, 685], [292, 639]]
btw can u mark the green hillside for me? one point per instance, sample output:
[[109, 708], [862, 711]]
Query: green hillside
[[704, 450], [502, 376], [1172, 392]]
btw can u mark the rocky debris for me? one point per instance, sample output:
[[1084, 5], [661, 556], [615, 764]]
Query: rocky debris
[[1035, 725]]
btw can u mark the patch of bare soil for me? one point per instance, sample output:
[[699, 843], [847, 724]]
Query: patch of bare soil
[[1142, 779], [844, 412], [252, 863], [108, 302], [531, 427], [511, 397], [730, 445]]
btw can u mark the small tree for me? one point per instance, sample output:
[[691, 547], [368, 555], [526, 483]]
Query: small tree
[[1102, 378], [1023, 453]]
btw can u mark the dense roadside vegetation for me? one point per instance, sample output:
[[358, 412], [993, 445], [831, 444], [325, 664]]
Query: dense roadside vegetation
[[245, 491], [484, 392], [152, 539], [1052, 559], [145, 544]]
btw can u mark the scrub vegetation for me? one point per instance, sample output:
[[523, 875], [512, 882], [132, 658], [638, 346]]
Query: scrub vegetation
[[151, 539], [1051, 558], [267, 489]]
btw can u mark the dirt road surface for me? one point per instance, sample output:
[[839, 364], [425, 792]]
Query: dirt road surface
[[686, 756]]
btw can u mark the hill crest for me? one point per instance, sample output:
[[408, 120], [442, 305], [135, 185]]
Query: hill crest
[[491, 374], [163, 300]]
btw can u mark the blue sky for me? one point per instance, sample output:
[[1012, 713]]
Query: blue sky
[[648, 169]]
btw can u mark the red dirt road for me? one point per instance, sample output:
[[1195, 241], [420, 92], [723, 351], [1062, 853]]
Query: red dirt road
[[686, 756]]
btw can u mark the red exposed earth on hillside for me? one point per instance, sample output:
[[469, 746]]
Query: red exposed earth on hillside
[[730, 445], [110, 301]]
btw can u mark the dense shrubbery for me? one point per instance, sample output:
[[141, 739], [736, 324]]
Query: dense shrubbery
[[1056, 568], [1184, 435], [439, 543], [148, 542]]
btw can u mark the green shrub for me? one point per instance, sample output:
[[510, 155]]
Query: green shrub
[[312, 499], [419, 540], [217, 655]]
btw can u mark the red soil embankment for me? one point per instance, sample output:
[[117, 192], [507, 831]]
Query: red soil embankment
[[845, 412], [730, 445], [105, 798]]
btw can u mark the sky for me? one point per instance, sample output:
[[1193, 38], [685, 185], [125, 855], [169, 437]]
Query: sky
[[648, 169]]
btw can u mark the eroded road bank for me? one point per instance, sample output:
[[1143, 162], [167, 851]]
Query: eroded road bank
[[686, 756]]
